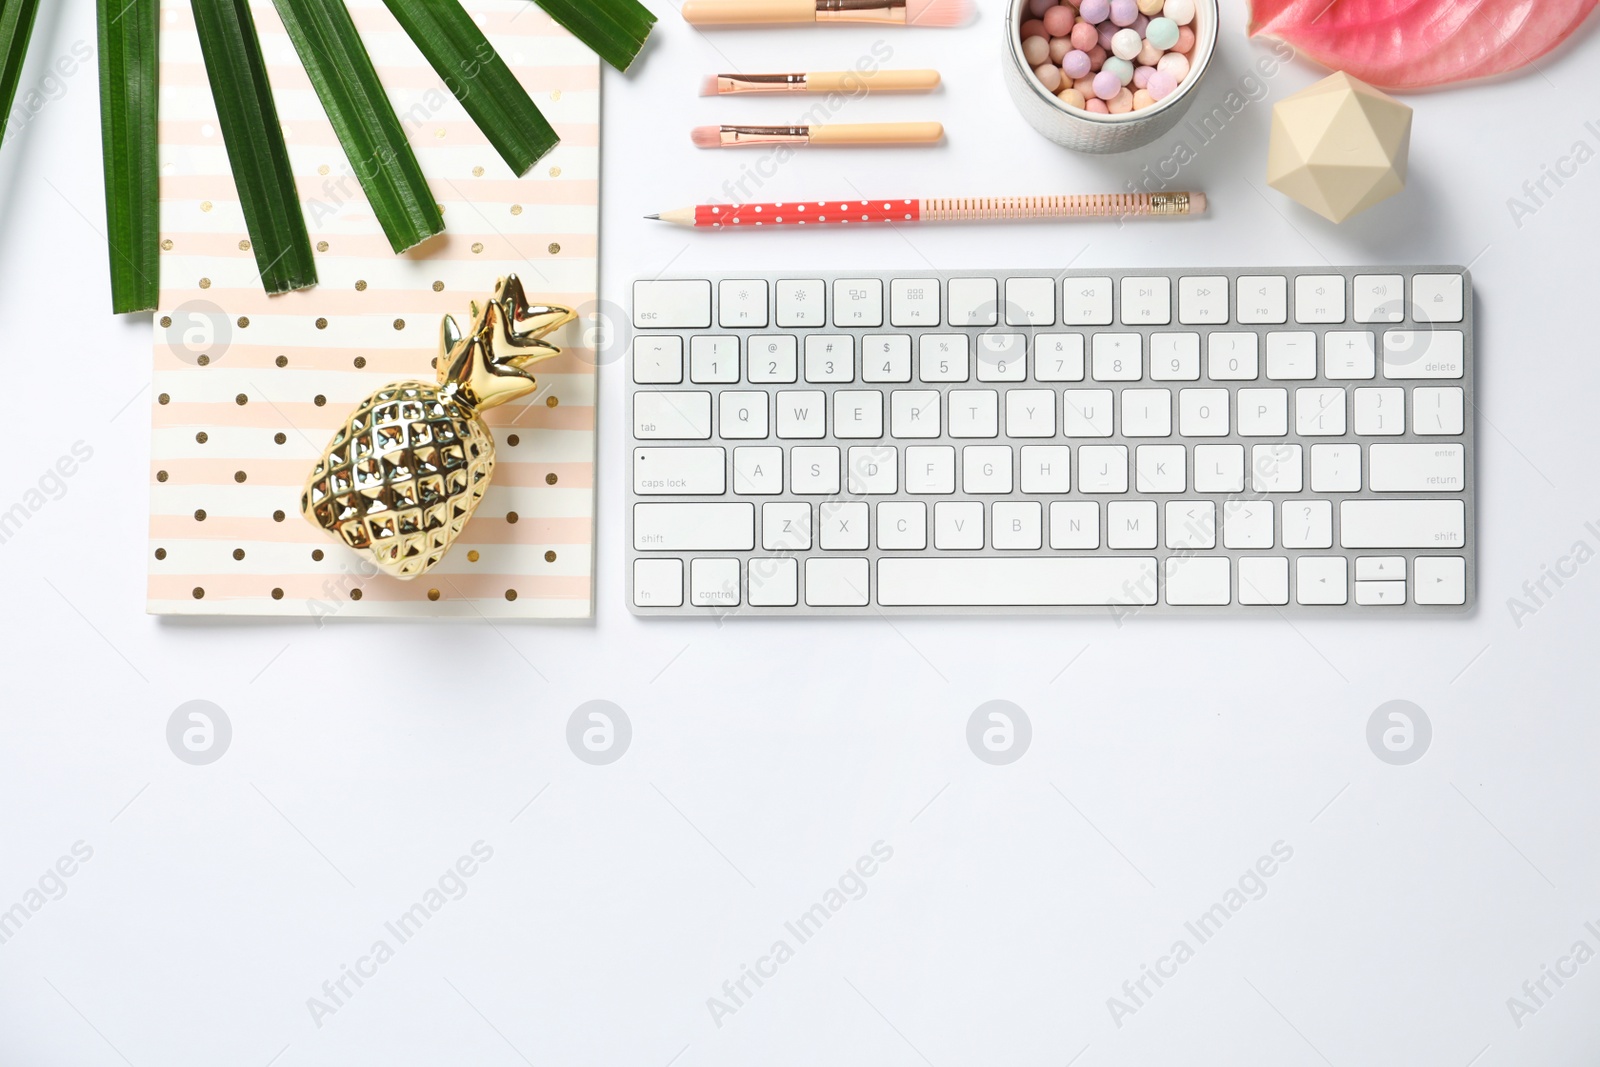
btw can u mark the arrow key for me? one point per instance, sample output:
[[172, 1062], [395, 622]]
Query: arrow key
[[1380, 594], [1380, 568], [1321, 580], [1441, 580]]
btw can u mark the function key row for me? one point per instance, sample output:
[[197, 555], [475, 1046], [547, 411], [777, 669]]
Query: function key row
[[1311, 299]]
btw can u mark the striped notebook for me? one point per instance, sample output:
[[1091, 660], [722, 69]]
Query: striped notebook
[[248, 388]]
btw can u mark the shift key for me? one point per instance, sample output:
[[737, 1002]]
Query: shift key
[[1403, 524], [694, 527]]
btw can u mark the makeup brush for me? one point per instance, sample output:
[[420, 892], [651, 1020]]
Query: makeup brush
[[883, 12], [823, 81], [839, 133]]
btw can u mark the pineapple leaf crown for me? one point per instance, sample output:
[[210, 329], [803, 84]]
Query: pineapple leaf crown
[[489, 365]]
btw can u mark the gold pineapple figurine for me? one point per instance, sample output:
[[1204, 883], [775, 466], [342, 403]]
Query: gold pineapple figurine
[[405, 472]]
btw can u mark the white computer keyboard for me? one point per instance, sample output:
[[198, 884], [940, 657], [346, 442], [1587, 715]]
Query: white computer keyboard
[[1255, 440]]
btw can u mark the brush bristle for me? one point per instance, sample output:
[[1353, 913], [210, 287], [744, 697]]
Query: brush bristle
[[938, 12], [706, 136], [709, 86]]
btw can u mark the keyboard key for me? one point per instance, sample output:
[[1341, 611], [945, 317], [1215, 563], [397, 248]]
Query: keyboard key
[[1030, 413], [1264, 580], [903, 525], [943, 357], [1191, 524], [1131, 524], [974, 413], [1380, 298], [1263, 412], [930, 469], [1276, 468], [774, 582], [1232, 357], [672, 303], [858, 302], [707, 527], [957, 524], [1247, 524], [1086, 302], [985, 469], [801, 414], [1437, 411], [772, 360], [1308, 524], [1203, 412], [1291, 356], [758, 469], [842, 525], [1436, 298], [914, 413], [680, 471], [1103, 468], [1199, 580], [1058, 357], [658, 583], [1118, 357], [1440, 580], [1380, 594], [974, 302], [1263, 299], [801, 303], [1074, 524], [1219, 468], [857, 413], [1335, 468], [714, 583], [1349, 354], [1402, 523], [830, 358], [714, 360], [1160, 468], [1002, 357], [786, 527], [742, 303], [873, 469], [1146, 301], [1431, 468], [1175, 357], [813, 470], [742, 415], [1319, 298], [1423, 354], [1030, 302], [674, 416], [1380, 568], [1018, 525], [1019, 581], [1146, 413], [1203, 301], [886, 358], [657, 360], [914, 302], [1319, 412], [1045, 469], [837, 583], [1380, 412], [1322, 580]]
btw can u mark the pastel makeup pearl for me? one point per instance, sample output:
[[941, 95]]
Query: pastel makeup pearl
[[1097, 57], [1123, 12], [1037, 8], [1125, 44], [1059, 47], [1139, 24], [1095, 12], [1084, 36], [1142, 100], [1121, 68], [1162, 85], [1151, 7], [1185, 40], [1096, 105], [1179, 11], [1075, 64], [1175, 64], [1149, 54], [1107, 85], [1033, 28], [1141, 76], [1058, 22], [1035, 50], [1085, 87], [1120, 104], [1161, 33], [1108, 31], [1070, 97], [1049, 76]]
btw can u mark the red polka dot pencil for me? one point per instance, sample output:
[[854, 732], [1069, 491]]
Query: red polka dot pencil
[[949, 209]]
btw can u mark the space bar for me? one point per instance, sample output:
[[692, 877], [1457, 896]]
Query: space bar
[[1020, 582]]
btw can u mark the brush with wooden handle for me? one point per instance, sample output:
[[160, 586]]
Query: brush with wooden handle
[[839, 133], [823, 81], [880, 12]]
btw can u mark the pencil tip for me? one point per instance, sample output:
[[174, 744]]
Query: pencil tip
[[652, 216]]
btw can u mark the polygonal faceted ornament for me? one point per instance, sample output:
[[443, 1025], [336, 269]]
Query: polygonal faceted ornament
[[1339, 146], [405, 472]]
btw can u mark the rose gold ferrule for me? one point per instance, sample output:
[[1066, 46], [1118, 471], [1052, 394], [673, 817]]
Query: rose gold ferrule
[[744, 136], [889, 11], [761, 83]]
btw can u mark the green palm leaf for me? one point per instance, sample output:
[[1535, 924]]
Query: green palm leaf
[[615, 29], [16, 26], [128, 68]]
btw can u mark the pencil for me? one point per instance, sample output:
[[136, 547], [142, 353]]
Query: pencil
[[947, 209]]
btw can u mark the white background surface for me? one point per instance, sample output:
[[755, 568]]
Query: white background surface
[[1167, 755]]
